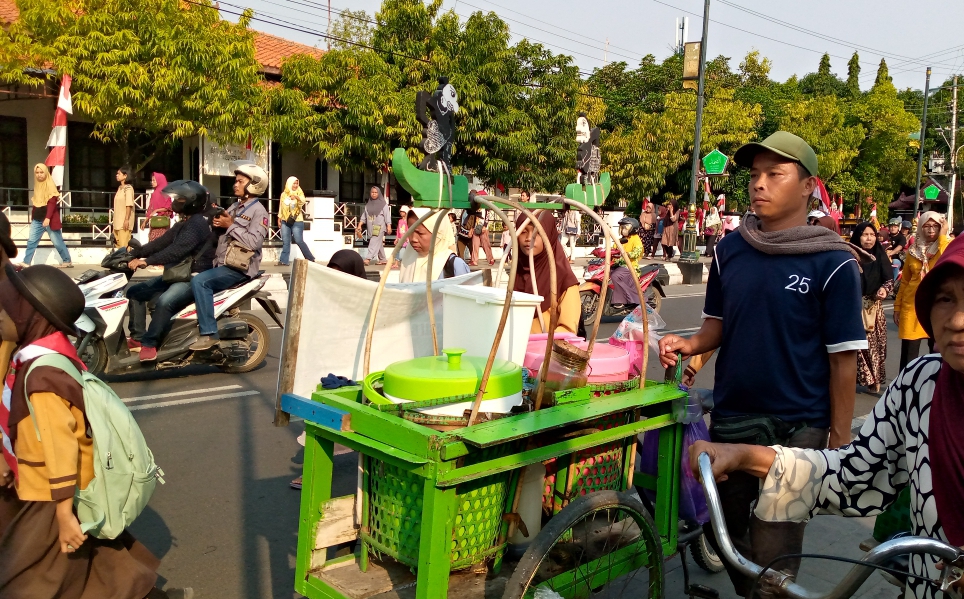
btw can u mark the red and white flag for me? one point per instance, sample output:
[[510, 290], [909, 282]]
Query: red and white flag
[[57, 142]]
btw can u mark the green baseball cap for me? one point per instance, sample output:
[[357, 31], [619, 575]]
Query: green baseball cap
[[785, 144]]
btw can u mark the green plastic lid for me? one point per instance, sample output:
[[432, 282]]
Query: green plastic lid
[[453, 374]]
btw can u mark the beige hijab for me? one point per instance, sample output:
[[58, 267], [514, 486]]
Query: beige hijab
[[921, 250], [415, 267], [43, 190]]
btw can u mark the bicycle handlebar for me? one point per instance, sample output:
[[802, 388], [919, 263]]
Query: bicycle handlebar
[[781, 583]]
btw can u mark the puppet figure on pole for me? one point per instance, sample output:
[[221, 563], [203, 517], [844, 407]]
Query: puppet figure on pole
[[438, 132]]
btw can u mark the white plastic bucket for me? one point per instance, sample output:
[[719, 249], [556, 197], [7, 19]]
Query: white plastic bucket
[[471, 316]]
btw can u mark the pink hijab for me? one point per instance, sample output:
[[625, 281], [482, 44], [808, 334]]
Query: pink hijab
[[159, 200]]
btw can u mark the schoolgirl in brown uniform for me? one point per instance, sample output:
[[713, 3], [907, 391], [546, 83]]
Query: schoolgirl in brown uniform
[[43, 553]]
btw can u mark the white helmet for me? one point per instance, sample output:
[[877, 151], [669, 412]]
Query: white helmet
[[259, 178]]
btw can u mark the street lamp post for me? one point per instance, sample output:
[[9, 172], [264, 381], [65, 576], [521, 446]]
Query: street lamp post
[[689, 253]]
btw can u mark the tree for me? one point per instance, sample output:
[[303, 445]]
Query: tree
[[886, 159], [823, 82], [883, 74], [351, 28], [517, 103], [853, 76], [820, 122], [146, 72], [755, 72]]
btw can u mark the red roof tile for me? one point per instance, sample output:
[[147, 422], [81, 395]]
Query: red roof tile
[[8, 11], [270, 51]]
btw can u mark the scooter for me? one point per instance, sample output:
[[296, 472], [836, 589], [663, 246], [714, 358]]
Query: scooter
[[589, 290], [244, 337], [99, 284]]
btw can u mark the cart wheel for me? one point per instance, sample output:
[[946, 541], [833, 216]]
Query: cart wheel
[[705, 556], [600, 545]]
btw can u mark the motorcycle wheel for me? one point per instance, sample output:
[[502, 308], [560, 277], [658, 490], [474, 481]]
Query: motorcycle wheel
[[95, 356], [257, 340], [705, 556], [590, 301], [654, 300]]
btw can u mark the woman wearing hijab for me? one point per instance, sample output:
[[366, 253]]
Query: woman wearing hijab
[[911, 439], [45, 216], [445, 263], [568, 305], [377, 217], [929, 243], [348, 262], [712, 226], [876, 281], [45, 553], [647, 222], [159, 211], [670, 231], [291, 220]]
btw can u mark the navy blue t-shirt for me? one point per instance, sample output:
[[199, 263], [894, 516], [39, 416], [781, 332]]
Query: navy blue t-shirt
[[782, 317]]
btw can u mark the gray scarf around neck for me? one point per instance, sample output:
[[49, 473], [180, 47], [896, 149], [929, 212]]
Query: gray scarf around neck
[[806, 239]]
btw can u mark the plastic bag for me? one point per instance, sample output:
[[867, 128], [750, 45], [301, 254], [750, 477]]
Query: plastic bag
[[692, 502], [629, 336]]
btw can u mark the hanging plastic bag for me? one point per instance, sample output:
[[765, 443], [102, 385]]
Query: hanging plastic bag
[[692, 502], [629, 336]]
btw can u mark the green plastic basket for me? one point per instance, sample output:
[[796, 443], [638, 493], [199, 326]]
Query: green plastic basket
[[395, 514]]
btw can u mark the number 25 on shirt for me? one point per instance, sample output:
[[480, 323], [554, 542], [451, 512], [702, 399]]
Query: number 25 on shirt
[[799, 284]]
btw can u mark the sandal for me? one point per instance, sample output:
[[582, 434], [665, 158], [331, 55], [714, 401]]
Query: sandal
[[66, 265], [296, 483]]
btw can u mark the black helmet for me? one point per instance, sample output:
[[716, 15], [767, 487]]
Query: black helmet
[[630, 222], [51, 292], [187, 197], [118, 260]]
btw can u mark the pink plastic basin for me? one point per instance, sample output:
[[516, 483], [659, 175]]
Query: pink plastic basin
[[536, 349], [608, 363]]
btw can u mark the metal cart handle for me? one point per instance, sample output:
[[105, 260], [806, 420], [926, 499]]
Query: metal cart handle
[[782, 584]]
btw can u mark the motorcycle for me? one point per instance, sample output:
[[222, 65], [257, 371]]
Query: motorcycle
[[244, 337], [589, 290]]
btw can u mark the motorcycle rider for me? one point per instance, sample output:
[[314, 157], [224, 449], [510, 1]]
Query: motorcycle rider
[[191, 237], [245, 223], [625, 295]]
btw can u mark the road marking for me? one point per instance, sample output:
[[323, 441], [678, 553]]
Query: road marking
[[181, 402], [178, 393], [686, 295]]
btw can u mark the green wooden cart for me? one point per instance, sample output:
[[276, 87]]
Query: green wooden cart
[[434, 507]]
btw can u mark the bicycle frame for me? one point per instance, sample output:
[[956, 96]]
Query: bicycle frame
[[782, 584]]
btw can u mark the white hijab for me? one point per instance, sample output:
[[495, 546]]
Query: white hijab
[[415, 267]]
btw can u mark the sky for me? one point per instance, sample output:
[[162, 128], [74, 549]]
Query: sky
[[794, 35]]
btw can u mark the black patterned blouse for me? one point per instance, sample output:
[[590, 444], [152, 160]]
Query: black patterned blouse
[[863, 478]]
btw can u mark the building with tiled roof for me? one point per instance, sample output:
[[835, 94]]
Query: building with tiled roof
[[8, 12], [270, 51]]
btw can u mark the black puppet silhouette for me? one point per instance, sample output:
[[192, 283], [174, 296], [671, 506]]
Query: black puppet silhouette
[[588, 160], [437, 134]]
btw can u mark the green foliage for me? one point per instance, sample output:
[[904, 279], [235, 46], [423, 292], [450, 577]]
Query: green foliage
[[146, 72], [820, 122], [853, 76], [352, 27]]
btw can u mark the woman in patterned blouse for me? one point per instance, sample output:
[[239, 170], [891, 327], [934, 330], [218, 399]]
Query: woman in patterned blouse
[[911, 439]]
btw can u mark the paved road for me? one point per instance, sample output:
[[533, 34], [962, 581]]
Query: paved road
[[226, 521]]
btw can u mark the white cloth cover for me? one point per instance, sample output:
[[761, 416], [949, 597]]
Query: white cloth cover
[[337, 306]]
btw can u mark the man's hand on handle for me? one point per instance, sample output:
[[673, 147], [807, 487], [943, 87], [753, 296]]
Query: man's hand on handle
[[670, 345]]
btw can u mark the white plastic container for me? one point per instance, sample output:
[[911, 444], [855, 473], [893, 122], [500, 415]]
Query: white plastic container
[[530, 506], [471, 316]]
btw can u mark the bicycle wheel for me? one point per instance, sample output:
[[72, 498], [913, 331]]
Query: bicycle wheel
[[602, 545]]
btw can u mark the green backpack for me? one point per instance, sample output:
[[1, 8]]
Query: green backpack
[[124, 470]]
